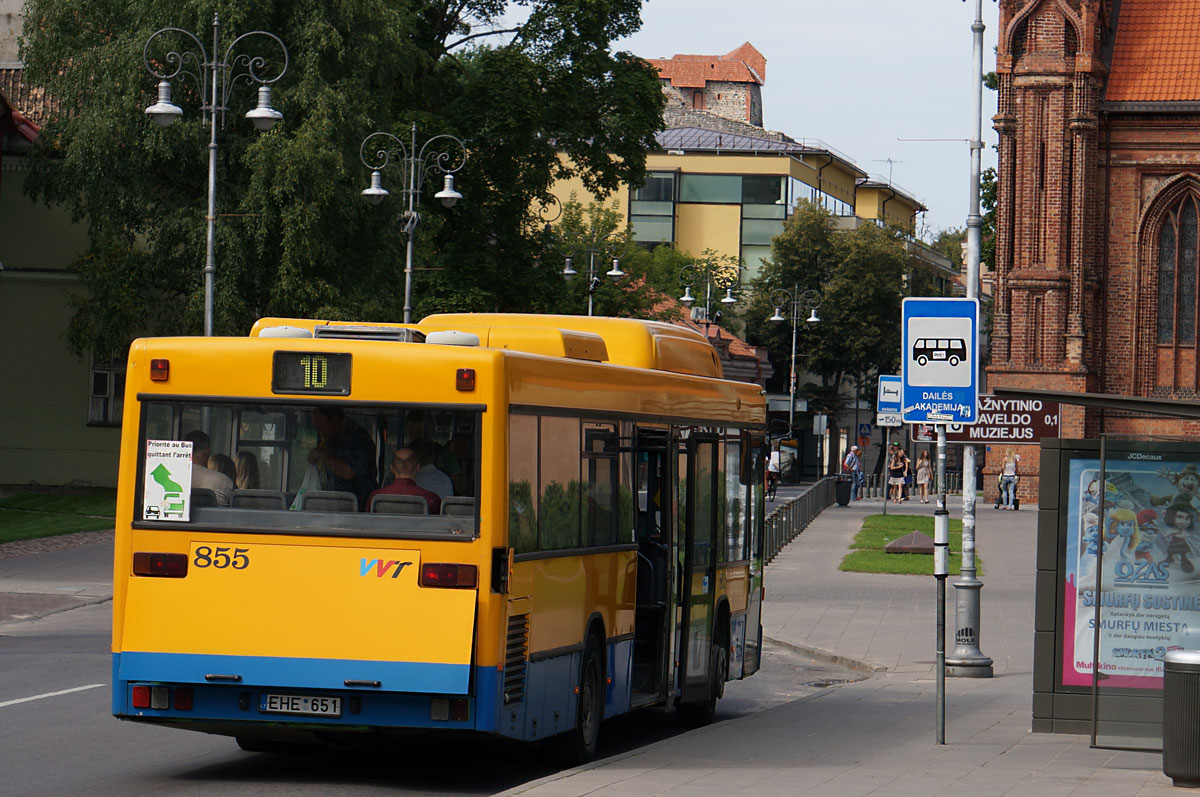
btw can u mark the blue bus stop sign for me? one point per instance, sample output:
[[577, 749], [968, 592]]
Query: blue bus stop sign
[[939, 360]]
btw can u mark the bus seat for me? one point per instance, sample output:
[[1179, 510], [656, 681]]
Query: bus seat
[[329, 501], [257, 499], [458, 505], [202, 497], [399, 505]]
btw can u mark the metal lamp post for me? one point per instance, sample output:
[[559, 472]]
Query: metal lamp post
[[442, 154], [608, 245], [214, 80], [811, 300], [724, 277]]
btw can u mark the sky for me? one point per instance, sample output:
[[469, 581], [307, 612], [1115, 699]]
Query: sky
[[858, 75]]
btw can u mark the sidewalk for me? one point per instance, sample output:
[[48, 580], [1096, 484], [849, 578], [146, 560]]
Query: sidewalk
[[877, 736]]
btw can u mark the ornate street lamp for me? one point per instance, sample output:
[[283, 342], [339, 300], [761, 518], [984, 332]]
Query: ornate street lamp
[[442, 154], [215, 81], [608, 246], [723, 276], [794, 300]]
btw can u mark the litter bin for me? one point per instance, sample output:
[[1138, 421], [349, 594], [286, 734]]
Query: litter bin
[[1181, 717], [842, 488]]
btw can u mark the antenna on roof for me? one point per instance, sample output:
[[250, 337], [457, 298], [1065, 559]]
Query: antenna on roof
[[889, 162]]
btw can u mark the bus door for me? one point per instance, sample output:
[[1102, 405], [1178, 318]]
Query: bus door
[[754, 459], [656, 562], [697, 582]]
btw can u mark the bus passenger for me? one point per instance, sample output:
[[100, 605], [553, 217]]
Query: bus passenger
[[405, 466], [430, 476], [246, 476], [202, 477], [345, 452], [222, 464]]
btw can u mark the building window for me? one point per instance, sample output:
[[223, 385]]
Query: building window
[[107, 398], [711, 188], [652, 210], [1177, 271]]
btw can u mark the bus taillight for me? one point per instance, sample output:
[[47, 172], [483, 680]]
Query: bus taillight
[[159, 370], [165, 565], [448, 575]]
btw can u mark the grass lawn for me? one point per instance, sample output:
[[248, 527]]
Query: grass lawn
[[25, 516], [867, 554]]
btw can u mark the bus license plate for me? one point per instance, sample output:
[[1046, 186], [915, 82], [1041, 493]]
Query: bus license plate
[[300, 704]]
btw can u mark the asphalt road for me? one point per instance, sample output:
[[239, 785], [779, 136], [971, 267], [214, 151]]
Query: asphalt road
[[58, 736]]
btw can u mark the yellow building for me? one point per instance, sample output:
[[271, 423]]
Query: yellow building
[[883, 201], [707, 189]]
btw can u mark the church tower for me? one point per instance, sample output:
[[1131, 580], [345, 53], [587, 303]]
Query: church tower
[[1098, 208], [1051, 78]]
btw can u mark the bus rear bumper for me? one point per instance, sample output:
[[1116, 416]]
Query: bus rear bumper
[[219, 707]]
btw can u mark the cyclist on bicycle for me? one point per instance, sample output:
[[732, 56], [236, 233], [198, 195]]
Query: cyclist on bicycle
[[772, 474]]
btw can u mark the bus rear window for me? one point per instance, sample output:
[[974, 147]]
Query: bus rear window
[[342, 469]]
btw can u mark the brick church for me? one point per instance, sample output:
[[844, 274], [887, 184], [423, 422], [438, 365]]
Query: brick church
[[1098, 215]]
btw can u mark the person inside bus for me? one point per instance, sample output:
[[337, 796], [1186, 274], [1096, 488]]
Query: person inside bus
[[222, 464], [202, 477], [345, 452], [405, 466], [430, 476], [246, 472]]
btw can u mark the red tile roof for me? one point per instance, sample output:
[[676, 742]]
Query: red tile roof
[[1156, 55], [23, 107], [743, 65]]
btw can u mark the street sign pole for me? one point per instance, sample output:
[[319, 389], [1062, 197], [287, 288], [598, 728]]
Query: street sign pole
[[967, 660], [941, 569]]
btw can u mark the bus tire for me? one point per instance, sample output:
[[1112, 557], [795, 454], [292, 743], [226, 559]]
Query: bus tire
[[696, 715], [582, 741]]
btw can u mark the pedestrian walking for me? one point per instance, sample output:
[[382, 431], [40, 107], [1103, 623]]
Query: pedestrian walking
[[924, 476], [897, 472], [852, 467]]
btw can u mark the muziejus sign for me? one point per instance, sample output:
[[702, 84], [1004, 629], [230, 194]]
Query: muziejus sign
[[1008, 421]]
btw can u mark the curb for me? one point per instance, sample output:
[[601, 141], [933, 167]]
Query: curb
[[89, 602], [828, 657]]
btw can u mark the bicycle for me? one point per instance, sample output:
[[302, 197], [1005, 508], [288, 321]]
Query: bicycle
[[772, 484]]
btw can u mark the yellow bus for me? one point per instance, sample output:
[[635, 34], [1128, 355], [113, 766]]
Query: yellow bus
[[508, 524]]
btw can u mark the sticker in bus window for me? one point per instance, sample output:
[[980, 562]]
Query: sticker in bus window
[[166, 494]]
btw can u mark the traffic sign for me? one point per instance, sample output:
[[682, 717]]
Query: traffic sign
[[1009, 421], [890, 419], [864, 430], [939, 361], [888, 399]]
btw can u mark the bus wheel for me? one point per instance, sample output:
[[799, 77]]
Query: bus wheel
[[695, 715], [583, 739]]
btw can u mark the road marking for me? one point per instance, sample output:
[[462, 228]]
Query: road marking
[[49, 694]]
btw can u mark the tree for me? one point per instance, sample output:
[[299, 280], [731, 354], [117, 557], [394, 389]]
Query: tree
[[859, 274], [294, 237], [598, 232]]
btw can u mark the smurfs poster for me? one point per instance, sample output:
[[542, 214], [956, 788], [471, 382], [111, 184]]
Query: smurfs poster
[[1145, 520]]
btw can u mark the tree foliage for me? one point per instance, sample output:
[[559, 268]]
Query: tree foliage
[[593, 237], [293, 235], [859, 274]]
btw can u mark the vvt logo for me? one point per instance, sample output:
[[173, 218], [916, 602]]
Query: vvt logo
[[381, 567]]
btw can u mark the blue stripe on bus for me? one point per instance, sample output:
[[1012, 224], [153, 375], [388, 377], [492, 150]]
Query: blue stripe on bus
[[219, 705], [284, 672]]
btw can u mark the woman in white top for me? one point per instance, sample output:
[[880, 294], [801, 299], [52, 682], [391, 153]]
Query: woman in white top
[[1008, 480]]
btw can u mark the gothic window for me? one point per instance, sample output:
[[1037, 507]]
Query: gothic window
[[1177, 274]]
